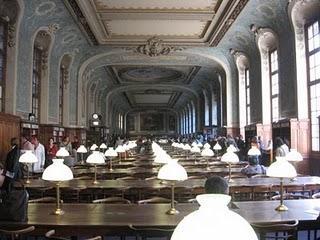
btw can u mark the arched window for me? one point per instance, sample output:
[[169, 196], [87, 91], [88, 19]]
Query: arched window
[[274, 83], [206, 109], [247, 84], [214, 109], [36, 80], [193, 117], [61, 91], [190, 117], [3, 58], [313, 63]]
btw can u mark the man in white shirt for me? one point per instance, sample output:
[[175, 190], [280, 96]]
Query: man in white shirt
[[39, 151]]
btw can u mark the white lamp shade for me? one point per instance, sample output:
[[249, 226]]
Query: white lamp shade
[[82, 149], [172, 171], [230, 157], [206, 145], [57, 171], [217, 146], [162, 157], [180, 145], [213, 220], [120, 149], [254, 151], [93, 147], [281, 168], [195, 149], [207, 152], [232, 148], [111, 152], [62, 152], [194, 144], [96, 158], [199, 145], [294, 156], [103, 146], [28, 157], [187, 147]]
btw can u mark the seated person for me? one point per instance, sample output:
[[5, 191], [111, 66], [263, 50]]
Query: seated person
[[216, 185], [253, 167]]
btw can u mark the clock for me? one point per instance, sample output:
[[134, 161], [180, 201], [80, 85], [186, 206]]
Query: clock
[[95, 116]]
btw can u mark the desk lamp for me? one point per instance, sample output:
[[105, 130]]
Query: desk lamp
[[111, 153], [57, 172], [103, 147], [120, 149], [93, 147], [82, 149], [187, 148], [255, 153], [206, 145], [95, 158], [28, 158], [230, 157], [281, 168], [217, 148], [207, 153], [213, 220], [172, 172], [62, 152], [194, 150], [294, 156]]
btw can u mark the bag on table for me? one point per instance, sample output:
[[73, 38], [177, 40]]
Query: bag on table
[[14, 205]]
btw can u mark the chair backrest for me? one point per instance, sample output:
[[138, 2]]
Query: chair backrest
[[282, 230], [316, 195], [289, 196], [51, 236], [112, 200], [128, 178], [43, 200], [16, 233], [154, 200]]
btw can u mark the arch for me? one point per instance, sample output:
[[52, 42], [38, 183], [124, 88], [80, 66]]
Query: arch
[[64, 73], [266, 40], [84, 74], [42, 45], [242, 63], [301, 13]]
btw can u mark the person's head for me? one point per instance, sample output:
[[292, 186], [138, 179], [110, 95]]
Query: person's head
[[34, 140], [66, 139], [51, 141], [216, 185], [278, 142]]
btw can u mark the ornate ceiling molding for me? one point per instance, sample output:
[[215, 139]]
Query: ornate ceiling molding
[[226, 24], [81, 20], [155, 47]]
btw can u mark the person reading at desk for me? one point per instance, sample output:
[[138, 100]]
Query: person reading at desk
[[216, 185], [253, 167]]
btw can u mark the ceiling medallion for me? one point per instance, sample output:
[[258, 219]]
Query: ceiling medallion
[[155, 47]]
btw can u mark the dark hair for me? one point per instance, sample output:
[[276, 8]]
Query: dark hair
[[14, 141], [216, 184], [278, 142]]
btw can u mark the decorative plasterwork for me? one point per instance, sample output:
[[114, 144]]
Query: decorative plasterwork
[[183, 22], [155, 47]]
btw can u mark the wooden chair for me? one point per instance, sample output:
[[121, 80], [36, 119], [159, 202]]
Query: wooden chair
[[155, 200], [51, 236], [277, 231], [128, 178], [16, 233], [83, 178], [289, 196], [259, 176], [112, 200], [316, 195], [43, 200]]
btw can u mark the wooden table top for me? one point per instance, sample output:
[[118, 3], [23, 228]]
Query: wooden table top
[[156, 183], [102, 217]]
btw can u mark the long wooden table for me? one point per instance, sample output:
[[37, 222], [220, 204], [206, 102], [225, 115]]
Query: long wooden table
[[80, 219]]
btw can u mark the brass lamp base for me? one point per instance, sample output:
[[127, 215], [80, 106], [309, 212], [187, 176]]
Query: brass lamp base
[[281, 207], [95, 182], [58, 211], [28, 181], [172, 211]]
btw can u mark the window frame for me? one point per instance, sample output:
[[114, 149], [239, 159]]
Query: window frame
[[271, 74], [247, 89], [36, 72], [313, 83]]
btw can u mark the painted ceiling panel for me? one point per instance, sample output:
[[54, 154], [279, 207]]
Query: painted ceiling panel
[[186, 28], [156, 4], [152, 98]]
